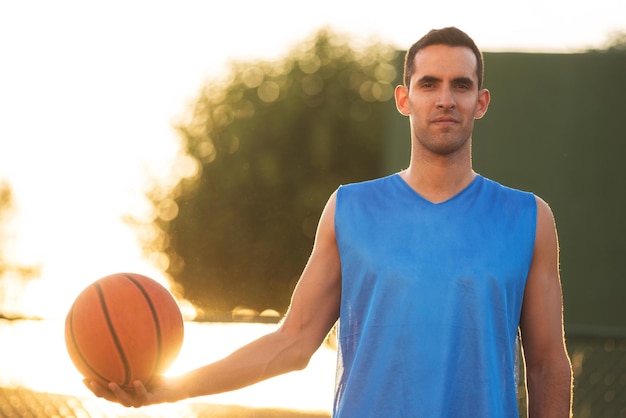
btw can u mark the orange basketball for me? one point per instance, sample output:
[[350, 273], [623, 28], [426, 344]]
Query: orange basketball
[[123, 327]]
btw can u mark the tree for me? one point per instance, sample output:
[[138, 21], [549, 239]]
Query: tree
[[268, 145], [616, 41]]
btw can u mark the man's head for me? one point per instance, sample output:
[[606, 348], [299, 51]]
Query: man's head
[[443, 96], [450, 36]]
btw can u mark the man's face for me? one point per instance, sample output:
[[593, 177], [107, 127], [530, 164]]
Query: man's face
[[443, 100]]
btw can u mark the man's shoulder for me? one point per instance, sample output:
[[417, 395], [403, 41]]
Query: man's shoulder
[[496, 185], [511, 199], [369, 185]]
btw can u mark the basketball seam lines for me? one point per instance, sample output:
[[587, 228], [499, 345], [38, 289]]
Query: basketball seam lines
[[79, 351], [157, 324], [116, 340]]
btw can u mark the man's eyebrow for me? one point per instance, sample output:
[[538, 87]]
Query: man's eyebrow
[[464, 80], [459, 80], [428, 79]]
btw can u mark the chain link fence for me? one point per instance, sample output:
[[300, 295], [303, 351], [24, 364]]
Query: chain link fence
[[599, 365]]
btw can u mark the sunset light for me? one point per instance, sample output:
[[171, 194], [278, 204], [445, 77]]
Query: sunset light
[[91, 94]]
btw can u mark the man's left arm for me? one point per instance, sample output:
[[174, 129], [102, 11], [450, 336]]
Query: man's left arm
[[548, 368]]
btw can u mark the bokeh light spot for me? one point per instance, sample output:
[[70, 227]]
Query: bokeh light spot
[[167, 209], [312, 85], [309, 63], [186, 167], [268, 91], [252, 77], [206, 151], [382, 91], [385, 72]]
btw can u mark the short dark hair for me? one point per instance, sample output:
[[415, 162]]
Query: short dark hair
[[449, 36]]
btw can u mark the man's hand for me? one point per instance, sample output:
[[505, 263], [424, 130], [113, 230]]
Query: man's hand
[[162, 390]]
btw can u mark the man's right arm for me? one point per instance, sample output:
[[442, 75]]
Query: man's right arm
[[313, 311]]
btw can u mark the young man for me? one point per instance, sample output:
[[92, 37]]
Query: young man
[[434, 272]]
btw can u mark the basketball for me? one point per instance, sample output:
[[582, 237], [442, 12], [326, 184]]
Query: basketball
[[123, 327]]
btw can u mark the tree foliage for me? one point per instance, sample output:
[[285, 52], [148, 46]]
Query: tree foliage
[[269, 145], [617, 41]]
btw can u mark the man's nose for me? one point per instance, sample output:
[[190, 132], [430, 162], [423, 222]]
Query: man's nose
[[445, 100]]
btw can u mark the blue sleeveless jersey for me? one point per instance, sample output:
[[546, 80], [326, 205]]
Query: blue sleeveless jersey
[[431, 299]]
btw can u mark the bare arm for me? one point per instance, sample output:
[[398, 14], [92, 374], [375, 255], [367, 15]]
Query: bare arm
[[548, 368], [314, 310]]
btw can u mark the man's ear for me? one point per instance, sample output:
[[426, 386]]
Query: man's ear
[[484, 97], [402, 100]]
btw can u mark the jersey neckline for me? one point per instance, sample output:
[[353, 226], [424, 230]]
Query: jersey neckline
[[477, 178]]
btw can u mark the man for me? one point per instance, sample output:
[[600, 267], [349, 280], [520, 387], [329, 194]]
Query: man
[[434, 273]]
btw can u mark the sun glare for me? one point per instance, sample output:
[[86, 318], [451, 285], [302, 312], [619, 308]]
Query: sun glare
[[23, 363]]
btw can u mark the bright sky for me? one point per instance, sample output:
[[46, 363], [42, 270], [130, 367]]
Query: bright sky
[[88, 91]]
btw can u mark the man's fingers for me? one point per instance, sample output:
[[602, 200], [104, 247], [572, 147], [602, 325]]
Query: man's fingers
[[135, 397], [99, 390], [126, 398], [140, 390]]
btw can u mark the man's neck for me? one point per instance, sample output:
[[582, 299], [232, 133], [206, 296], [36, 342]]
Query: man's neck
[[438, 183]]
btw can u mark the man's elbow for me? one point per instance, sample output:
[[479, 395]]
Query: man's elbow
[[297, 352], [554, 373], [300, 362], [559, 367], [301, 355]]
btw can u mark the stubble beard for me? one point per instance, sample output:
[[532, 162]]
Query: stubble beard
[[444, 144]]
